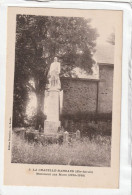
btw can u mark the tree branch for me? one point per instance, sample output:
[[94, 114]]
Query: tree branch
[[31, 87]]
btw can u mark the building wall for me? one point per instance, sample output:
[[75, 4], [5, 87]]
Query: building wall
[[79, 95], [105, 90], [87, 95]]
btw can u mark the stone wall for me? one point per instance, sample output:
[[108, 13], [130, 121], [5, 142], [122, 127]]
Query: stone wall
[[105, 90], [89, 96], [79, 95]]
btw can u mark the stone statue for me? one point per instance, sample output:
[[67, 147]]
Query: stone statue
[[95, 70], [53, 96], [54, 80]]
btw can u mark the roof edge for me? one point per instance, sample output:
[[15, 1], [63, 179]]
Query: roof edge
[[105, 64]]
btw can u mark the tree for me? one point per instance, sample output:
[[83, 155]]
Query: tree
[[111, 39], [40, 38]]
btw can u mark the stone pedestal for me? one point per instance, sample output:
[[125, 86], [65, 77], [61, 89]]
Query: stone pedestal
[[51, 127], [52, 111]]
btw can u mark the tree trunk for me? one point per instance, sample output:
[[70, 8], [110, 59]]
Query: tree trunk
[[40, 110]]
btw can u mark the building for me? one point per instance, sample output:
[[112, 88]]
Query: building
[[90, 96]]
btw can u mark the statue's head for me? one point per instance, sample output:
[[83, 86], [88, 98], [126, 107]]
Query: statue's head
[[55, 59]]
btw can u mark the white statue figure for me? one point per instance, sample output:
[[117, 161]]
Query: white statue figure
[[54, 72], [95, 70]]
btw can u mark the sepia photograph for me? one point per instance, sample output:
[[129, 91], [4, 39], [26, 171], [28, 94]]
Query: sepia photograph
[[63, 97], [63, 86]]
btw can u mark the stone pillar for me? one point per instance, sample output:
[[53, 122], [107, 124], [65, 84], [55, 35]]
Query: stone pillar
[[78, 135], [53, 100], [52, 111], [66, 137]]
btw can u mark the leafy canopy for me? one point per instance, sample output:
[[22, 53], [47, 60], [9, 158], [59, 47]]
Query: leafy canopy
[[41, 38]]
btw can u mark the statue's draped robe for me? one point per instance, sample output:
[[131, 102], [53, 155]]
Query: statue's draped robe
[[54, 72]]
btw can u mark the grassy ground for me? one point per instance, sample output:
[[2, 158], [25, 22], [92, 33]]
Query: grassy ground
[[96, 152]]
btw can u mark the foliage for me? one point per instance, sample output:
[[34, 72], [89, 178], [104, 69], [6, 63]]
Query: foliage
[[19, 103], [38, 40]]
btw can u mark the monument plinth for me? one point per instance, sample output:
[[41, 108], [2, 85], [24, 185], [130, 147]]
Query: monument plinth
[[52, 100]]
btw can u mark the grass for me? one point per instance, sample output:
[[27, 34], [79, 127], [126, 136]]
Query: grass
[[96, 152]]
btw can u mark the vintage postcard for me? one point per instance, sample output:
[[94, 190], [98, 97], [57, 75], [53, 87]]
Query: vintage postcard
[[63, 97]]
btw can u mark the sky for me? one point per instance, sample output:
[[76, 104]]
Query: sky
[[104, 23]]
